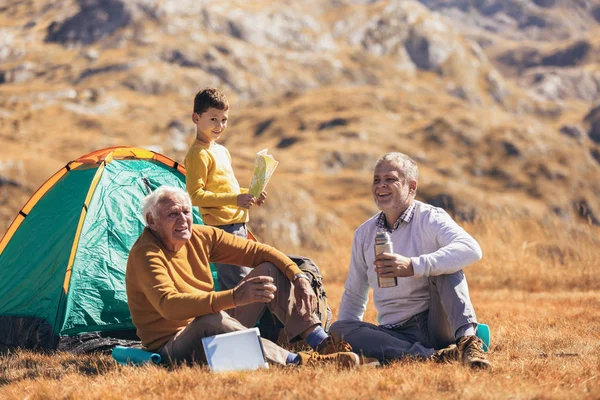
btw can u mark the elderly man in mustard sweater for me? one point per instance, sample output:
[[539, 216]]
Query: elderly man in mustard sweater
[[171, 295]]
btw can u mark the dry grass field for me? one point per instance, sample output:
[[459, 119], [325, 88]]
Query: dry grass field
[[535, 287], [493, 105]]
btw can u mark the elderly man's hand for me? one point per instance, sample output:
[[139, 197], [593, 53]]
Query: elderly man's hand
[[388, 265], [306, 301], [259, 289]]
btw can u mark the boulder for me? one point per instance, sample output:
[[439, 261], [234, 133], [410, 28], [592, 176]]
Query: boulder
[[596, 155], [95, 20], [458, 210], [560, 84], [527, 57], [336, 160], [332, 123], [569, 56], [441, 132], [287, 142], [111, 68], [596, 13], [5, 181], [510, 149], [572, 131], [593, 120], [263, 126], [178, 57], [584, 210], [19, 74]]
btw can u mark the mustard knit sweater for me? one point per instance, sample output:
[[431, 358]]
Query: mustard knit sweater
[[212, 185], [166, 290]]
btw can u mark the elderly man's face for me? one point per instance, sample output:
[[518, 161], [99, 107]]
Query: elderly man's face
[[173, 224], [391, 191]]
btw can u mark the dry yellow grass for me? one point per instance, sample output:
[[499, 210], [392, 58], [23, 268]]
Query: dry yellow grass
[[535, 287]]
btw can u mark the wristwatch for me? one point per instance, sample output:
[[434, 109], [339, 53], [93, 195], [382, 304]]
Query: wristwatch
[[300, 275]]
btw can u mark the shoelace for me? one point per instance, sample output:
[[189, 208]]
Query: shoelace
[[315, 358], [474, 349], [343, 347], [446, 354]]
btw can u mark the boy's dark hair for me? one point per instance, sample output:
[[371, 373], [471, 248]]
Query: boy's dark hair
[[210, 98]]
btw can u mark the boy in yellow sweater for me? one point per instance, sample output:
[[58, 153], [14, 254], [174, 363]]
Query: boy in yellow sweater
[[211, 182]]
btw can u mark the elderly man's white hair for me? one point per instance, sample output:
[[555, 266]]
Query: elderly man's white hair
[[164, 192], [403, 162]]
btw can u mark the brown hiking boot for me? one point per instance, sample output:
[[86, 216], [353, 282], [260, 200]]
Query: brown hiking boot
[[330, 346], [446, 355], [369, 362], [470, 352], [341, 359]]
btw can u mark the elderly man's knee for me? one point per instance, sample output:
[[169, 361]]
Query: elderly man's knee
[[268, 269], [212, 319], [220, 321]]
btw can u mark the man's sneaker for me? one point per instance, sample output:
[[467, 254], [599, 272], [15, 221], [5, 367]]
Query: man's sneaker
[[446, 355], [470, 352], [330, 346], [342, 359]]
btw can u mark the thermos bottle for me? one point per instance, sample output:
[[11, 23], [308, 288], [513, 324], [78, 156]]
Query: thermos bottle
[[383, 244]]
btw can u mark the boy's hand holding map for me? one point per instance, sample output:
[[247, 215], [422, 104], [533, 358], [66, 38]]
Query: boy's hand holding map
[[264, 166]]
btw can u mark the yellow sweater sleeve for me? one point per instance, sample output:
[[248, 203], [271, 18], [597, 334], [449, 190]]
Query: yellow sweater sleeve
[[199, 169]]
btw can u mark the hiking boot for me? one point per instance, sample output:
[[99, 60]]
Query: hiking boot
[[470, 352], [369, 362], [330, 346], [446, 355], [342, 359]]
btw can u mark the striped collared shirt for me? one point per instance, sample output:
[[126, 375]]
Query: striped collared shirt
[[405, 217]]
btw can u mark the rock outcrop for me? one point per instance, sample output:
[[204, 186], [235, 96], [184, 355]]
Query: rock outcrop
[[592, 119], [96, 20]]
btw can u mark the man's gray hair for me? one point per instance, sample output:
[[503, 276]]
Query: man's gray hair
[[405, 164], [153, 199]]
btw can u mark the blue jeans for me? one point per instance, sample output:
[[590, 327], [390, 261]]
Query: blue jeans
[[231, 275]]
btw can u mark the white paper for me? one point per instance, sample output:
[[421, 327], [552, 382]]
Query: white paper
[[241, 350]]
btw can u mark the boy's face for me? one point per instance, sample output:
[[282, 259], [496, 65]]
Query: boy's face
[[210, 125]]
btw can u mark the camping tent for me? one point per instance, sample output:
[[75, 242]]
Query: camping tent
[[62, 260]]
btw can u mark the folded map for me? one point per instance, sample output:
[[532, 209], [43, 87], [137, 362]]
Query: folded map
[[264, 166]]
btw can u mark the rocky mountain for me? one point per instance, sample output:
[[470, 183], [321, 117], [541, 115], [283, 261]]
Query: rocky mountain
[[500, 112], [535, 20], [550, 46]]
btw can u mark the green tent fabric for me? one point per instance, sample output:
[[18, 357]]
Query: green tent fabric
[[62, 261]]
